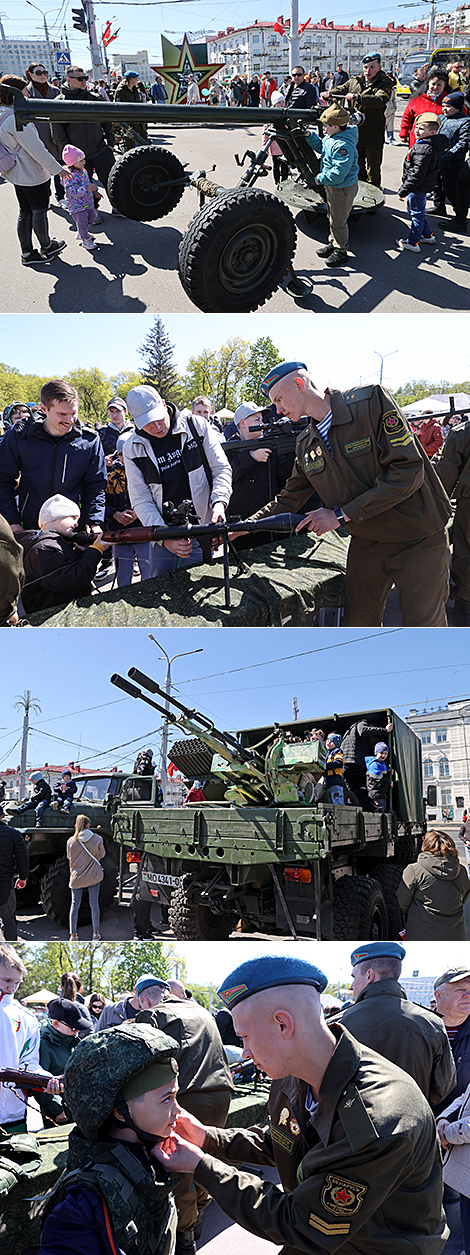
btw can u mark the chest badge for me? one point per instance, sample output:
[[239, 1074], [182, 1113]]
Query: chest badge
[[284, 1116], [294, 1127]]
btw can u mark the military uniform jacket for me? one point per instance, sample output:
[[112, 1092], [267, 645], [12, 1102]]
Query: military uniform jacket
[[373, 98], [384, 1019], [202, 1063], [453, 467], [378, 474], [362, 1173]]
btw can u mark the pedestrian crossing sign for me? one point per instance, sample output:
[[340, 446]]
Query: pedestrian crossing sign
[[63, 58]]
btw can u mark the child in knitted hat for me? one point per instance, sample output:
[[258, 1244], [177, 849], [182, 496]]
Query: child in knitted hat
[[338, 174], [334, 782], [379, 777], [79, 195]]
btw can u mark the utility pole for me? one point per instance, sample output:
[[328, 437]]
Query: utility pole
[[295, 708], [26, 703], [96, 65], [294, 35], [52, 64], [164, 747], [382, 359], [7, 59]]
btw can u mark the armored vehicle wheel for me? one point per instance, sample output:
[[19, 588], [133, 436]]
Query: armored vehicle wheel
[[191, 921], [389, 876], [236, 251], [139, 187], [359, 909], [55, 892], [406, 849]]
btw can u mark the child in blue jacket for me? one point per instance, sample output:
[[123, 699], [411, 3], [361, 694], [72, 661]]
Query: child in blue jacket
[[338, 174]]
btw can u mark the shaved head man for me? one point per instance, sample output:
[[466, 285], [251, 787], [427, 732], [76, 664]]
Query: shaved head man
[[352, 1137]]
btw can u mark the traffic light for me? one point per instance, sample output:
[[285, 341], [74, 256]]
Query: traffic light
[[79, 20]]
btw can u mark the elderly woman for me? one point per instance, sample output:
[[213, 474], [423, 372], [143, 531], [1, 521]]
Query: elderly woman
[[432, 892], [30, 174], [40, 89]]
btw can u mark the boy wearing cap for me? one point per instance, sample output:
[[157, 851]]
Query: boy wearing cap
[[420, 174], [57, 571], [338, 174], [378, 777], [257, 473], [59, 1035], [351, 1135], [454, 171], [119, 424], [40, 799], [128, 93]]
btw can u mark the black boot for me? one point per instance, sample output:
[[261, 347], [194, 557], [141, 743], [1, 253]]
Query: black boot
[[185, 1242]]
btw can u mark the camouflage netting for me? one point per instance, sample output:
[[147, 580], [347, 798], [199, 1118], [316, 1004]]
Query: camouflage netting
[[17, 1227], [300, 575]]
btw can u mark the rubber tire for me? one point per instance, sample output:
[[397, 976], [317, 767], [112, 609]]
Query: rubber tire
[[406, 850], [134, 179], [209, 245], [56, 896], [359, 911], [389, 876], [191, 922]]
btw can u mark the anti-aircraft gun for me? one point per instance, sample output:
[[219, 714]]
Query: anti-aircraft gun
[[266, 848]]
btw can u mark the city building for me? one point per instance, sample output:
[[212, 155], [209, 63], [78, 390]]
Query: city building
[[458, 21], [445, 740], [258, 48], [419, 988], [123, 61], [176, 789], [17, 54]]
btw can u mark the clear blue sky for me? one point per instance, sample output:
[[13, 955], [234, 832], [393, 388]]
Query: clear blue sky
[[325, 669], [141, 26], [338, 351], [206, 962]]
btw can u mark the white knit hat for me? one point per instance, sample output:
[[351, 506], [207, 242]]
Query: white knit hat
[[57, 507]]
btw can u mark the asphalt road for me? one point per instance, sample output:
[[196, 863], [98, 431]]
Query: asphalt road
[[135, 267]]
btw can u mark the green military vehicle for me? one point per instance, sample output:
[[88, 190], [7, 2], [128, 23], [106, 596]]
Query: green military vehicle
[[48, 880], [263, 850]]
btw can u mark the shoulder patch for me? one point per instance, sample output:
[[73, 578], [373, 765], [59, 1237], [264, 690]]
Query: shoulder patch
[[396, 428], [359, 394], [342, 1196], [342, 152]]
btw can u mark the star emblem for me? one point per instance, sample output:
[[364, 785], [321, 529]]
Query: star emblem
[[178, 63]]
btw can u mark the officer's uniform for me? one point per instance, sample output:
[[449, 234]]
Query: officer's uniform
[[453, 469], [384, 1019], [362, 1172], [394, 500], [373, 98]]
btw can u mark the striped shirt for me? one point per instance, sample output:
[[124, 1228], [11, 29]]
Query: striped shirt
[[324, 428]]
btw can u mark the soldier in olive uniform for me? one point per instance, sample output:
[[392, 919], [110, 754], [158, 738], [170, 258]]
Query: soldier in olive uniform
[[453, 469], [361, 457], [351, 1135], [370, 91]]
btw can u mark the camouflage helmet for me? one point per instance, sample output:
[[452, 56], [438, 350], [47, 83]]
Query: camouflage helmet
[[102, 1063]]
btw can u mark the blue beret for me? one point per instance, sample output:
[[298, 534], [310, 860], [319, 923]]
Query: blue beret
[[278, 372], [268, 972], [146, 981], [377, 950]]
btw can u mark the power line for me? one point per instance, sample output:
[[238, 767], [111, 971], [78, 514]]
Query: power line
[[289, 657]]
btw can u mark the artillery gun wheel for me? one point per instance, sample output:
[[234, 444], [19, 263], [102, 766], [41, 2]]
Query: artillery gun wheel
[[236, 251], [56, 897], [359, 909], [138, 183], [389, 876], [191, 921]]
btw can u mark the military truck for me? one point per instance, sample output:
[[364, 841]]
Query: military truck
[[261, 851], [48, 881]]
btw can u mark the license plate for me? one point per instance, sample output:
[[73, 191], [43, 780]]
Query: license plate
[[159, 878]]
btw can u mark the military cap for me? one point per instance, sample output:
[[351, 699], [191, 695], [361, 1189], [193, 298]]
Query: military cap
[[371, 56], [377, 950], [147, 980], [452, 975], [277, 372], [268, 972]]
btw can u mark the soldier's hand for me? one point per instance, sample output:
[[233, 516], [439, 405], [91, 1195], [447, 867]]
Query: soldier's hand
[[319, 521], [190, 1128], [350, 98], [260, 455], [176, 1155]]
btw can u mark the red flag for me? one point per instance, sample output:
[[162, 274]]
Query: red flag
[[279, 25], [303, 26], [111, 37], [106, 32]]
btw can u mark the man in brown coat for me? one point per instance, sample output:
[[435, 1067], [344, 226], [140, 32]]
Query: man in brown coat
[[359, 454], [453, 469]]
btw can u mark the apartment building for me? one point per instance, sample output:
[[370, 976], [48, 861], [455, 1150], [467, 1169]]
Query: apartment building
[[445, 740]]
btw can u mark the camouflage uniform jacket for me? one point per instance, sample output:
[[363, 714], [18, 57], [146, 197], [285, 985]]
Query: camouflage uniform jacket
[[378, 474], [453, 466], [141, 1209], [361, 1172]]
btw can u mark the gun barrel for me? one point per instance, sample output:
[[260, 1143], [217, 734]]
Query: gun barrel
[[133, 691], [136, 535]]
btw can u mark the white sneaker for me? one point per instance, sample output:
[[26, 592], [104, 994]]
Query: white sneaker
[[405, 244], [88, 244]]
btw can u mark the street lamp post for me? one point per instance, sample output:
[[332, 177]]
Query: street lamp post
[[52, 67], [164, 747], [382, 359]]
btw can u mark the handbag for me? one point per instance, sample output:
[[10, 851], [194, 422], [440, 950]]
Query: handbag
[[7, 157]]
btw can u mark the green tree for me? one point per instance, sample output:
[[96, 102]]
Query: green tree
[[122, 382], [133, 961], [159, 368], [218, 373], [264, 355], [94, 390]]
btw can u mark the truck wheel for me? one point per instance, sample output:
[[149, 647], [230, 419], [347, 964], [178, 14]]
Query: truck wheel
[[359, 910], [55, 892], [138, 183], [389, 877], [192, 922], [236, 251], [406, 850]]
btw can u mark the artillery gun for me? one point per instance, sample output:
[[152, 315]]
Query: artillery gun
[[265, 848], [239, 247]]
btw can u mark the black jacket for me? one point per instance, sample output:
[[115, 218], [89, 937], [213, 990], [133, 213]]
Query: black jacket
[[14, 858], [73, 466], [256, 483], [461, 1052], [42, 792], [421, 165], [302, 97], [57, 572], [109, 436], [359, 740], [89, 136]]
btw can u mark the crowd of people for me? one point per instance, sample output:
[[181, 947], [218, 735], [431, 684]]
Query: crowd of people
[[64, 485], [368, 1109], [435, 124]]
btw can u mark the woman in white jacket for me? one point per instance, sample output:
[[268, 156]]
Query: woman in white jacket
[[30, 175], [453, 1126]]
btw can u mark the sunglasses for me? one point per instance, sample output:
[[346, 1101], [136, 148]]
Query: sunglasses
[[78, 78], [297, 76], [43, 73]]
